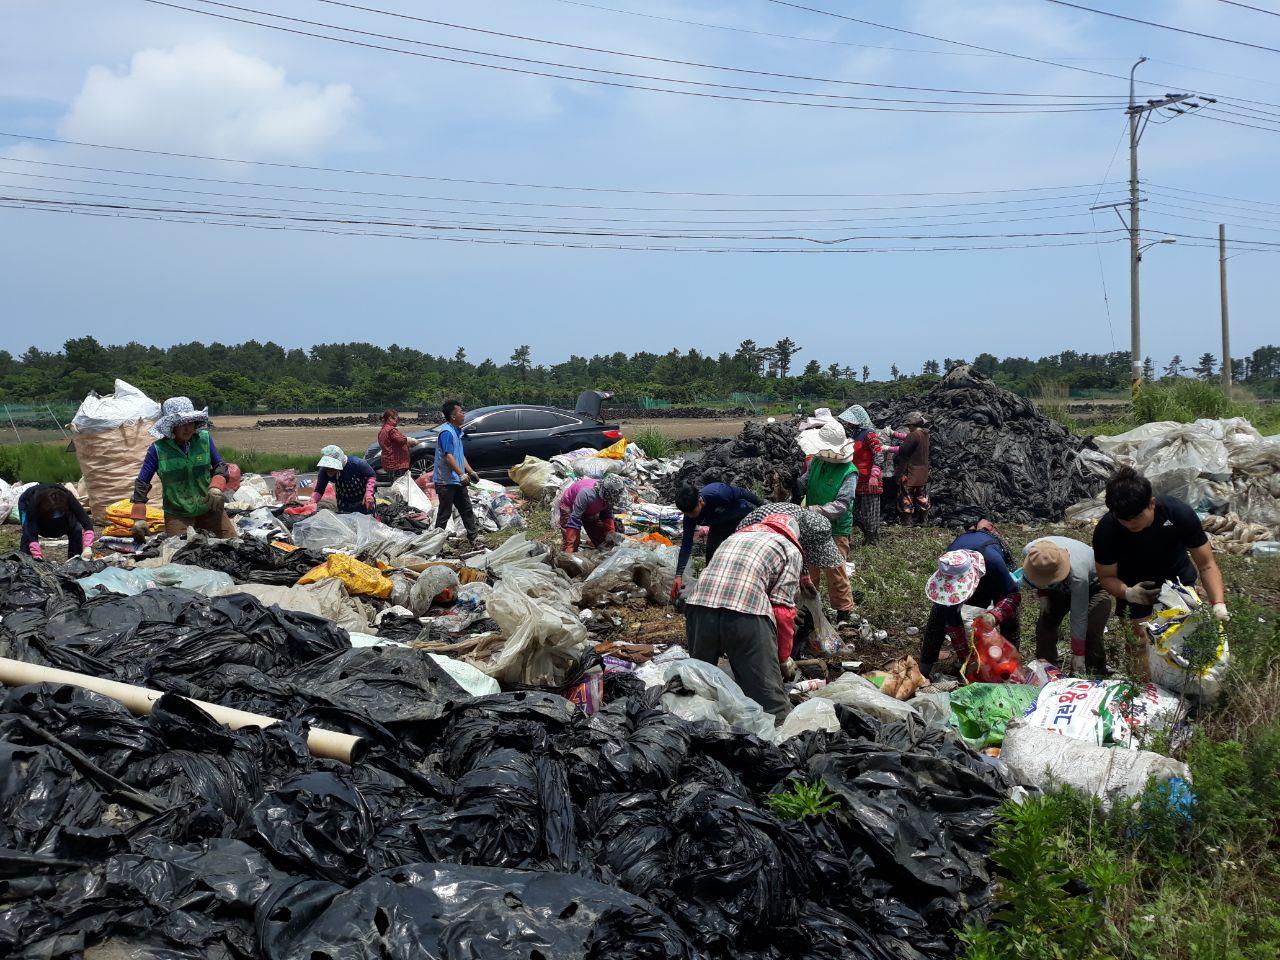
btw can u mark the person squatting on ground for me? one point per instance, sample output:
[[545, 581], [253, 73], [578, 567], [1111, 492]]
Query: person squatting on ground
[[743, 607], [719, 507], [353, 480], [1144, 540], [452, 473], [49, 510], [830, 487], [394, 446], [1062, 573], [588, 504], [193, 476], [868, 457], [974, 570], [911, 464]]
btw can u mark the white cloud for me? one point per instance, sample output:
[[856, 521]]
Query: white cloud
[[208, 98]]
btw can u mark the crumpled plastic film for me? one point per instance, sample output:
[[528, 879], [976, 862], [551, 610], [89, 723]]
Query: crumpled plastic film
[[359, 578]]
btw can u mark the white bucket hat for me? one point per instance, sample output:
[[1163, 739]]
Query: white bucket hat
[[828, 442], [176, 411]]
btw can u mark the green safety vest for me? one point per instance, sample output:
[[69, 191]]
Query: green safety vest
[[825, 481], [185, 476]]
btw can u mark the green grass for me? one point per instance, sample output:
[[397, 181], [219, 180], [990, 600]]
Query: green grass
[[53, 463], [803, 800], [654, 443], [1184, 401]]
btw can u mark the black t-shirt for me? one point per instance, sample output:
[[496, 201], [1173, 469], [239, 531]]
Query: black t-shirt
[[1158, 552]]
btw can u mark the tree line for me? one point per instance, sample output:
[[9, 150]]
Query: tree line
[[266, 376]]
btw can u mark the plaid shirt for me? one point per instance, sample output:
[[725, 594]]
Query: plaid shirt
[[750, 572]]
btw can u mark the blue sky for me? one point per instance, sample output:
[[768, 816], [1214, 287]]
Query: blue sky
[[130, 73]]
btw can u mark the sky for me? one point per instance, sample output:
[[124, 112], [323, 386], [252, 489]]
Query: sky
[[485, 265]]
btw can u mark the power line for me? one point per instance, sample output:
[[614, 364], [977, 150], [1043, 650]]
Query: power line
[[276, 164], [327, 218], [1004, 53], [686, 63], [828, 100], [1165, 26], [130, 213], [1249, 6], [843, 222]]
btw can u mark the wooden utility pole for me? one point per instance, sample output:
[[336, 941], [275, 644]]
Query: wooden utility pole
[[1226, 325]]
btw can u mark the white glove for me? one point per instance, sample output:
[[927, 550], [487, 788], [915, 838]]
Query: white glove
[[1077, 665], [86, 553], [1221, 613], [1143, 594]]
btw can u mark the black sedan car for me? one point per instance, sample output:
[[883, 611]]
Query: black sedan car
[[498, 438]]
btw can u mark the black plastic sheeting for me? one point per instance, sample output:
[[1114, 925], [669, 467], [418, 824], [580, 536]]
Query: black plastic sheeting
[[992, 453], [761, 453], [503, 826], [248, 560]]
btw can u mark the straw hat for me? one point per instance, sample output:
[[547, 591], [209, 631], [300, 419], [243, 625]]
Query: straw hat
[[1045, 564], [956, 578]]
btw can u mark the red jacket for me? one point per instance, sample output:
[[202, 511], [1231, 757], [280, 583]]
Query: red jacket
[[868, 454], [395, 448]]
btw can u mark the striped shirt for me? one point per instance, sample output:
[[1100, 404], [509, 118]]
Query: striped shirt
[[750, 573]]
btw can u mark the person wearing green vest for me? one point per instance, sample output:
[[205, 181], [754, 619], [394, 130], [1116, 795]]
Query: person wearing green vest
[[194, 478], [830, 486]]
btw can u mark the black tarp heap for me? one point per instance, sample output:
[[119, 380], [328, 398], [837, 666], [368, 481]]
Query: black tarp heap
[[504, 826]]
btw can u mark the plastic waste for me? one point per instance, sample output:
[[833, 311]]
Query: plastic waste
[[404, 489], [631, 568], [824, 636], [982, 711], [854, 690], [810, 715], [359, 578], [1103, 712], [433, 582], [284, 485], [998, 659], [1040, 758], [117, 580], [696, 690], [127, 404], [532, 476], [542, 638], [325, 598], [1188, 650], [1039, 672], [469, 607]]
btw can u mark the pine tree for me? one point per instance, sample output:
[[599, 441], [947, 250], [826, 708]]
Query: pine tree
[[1174, 367], [931, 366], [813, 369], [522, 360], [786, 349], [1148, 370], [866, 373], [1205, 368], [894, 372]]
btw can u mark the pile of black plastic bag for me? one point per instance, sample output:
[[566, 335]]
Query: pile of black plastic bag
[[503, 826], [762, 455], [992, 453]]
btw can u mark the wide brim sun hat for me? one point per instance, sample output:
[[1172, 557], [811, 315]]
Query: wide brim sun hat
[[332, 458], [956, 578], [176, 411]]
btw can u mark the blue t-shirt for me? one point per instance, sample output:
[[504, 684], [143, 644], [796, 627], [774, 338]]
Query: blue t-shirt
[[449, 441], [997, 581]]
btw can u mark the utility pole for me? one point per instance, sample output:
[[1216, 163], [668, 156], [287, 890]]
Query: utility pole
[[1139, 116], [1226, 325]]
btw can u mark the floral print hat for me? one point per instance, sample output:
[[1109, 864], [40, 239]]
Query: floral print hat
[[956, 578]]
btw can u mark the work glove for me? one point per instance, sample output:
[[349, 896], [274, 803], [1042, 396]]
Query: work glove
[[807, 586], [570, 539], [1221, 613], [37, 551], [215, 499], [988, 618], [675, 588], [139, 531], [86, 545], [1077, 666], [1143, 594], [1042, 597], [368, 502]]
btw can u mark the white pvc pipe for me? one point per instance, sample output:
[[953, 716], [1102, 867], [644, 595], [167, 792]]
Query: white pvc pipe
[[141, 700]]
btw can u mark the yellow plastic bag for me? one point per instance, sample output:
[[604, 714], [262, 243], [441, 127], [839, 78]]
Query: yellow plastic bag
[[359, 578], [120, 519], [617, 451]]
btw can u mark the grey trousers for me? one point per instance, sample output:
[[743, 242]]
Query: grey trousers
[[1056, 610], [750, 644]]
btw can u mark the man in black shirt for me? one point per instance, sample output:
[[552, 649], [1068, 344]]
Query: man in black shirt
[[1144, 540]]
